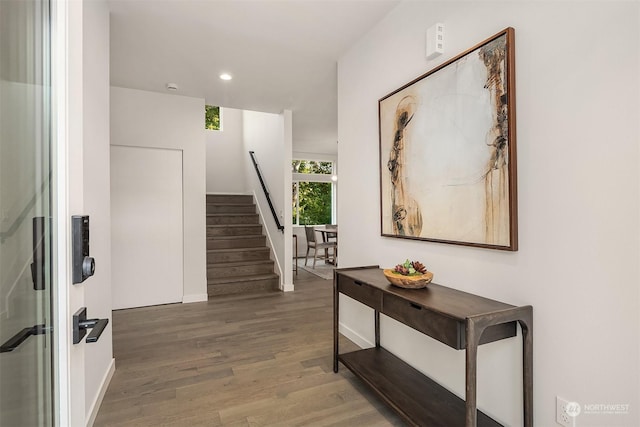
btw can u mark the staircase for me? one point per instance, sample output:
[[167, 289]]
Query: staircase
[[238, 259]]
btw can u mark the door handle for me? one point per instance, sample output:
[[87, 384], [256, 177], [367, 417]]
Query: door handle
[[15, 341], [81, 324]]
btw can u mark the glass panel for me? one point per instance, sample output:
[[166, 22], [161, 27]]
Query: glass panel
[[211, 117], [25, 215], [294, 198], [314, 203]]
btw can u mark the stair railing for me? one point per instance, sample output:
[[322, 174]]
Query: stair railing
[[252, 154]]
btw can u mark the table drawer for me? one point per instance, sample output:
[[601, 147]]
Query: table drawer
[[360, 291], [445, 329]]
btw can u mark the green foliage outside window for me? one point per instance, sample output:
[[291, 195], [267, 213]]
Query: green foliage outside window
[[312, 199], [312, 203], [211, 117], [312, 166]]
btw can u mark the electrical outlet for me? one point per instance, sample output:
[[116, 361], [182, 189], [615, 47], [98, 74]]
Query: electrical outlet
[[566, 412]]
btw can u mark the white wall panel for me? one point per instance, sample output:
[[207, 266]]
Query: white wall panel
[[146, 223], [578, 186]]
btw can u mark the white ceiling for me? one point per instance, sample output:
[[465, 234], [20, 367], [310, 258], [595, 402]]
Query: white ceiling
[[282, 54]]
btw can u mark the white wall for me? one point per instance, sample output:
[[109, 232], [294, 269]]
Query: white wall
[[149, 119], [97, 289], [577, 131], [226, 155], [269, 135]]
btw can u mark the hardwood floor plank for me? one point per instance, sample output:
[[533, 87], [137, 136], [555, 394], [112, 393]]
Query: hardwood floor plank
[[240, 360]]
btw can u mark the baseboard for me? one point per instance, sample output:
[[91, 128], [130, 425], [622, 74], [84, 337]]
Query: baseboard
[[358, 339], [186, 299], [106, 380], [288, 287]]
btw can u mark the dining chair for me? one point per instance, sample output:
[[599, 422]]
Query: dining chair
[[312, 243]]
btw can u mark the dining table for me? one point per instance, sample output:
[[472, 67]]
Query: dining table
[[329, 231]]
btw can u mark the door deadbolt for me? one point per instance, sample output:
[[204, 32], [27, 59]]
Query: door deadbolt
[[84, 266]]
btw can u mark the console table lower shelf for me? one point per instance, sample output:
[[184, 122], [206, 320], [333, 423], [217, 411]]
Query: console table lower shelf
[[419, 399]]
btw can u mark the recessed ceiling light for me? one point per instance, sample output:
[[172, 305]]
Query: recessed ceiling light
[[225, 76], [172, 86]]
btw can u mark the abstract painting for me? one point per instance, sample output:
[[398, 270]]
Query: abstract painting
[[448, 151]]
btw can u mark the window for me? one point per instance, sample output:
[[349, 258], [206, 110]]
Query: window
[[312, 203], [211, 117], [313, 192]]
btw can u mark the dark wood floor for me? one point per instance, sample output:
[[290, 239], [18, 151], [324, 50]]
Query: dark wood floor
[[236, 361]]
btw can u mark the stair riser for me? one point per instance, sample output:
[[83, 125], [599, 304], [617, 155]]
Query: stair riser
[[232, 209], [242, 288], [235, 219], [237, 256], [229, 198], [255, 242], [248, 230], [245, 270]]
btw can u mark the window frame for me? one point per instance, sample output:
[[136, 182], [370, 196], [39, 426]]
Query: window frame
[[314, 177]]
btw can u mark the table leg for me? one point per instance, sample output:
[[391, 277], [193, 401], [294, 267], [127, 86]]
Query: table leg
[[295, 257], [336, 300], [526, 323], [471, 369], [377, 327]]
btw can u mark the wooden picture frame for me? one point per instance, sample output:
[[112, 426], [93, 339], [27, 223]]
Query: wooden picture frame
[[448, 151]]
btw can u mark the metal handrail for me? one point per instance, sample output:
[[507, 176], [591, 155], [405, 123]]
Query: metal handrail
[[266, 192]]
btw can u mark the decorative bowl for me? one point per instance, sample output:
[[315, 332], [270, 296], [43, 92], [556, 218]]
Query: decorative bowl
[[408, 282]]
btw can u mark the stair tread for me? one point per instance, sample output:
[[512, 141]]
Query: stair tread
[[247, 278], [259, 248], [233, 214], [240, 263], [234, 225], [230, 204], [240, 237]]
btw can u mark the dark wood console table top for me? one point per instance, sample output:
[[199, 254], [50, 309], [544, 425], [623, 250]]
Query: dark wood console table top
[[452, 317]]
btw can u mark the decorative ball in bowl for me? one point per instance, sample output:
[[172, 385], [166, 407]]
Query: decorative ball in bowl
[[409, 275]]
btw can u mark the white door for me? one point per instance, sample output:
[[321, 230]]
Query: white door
[[26, 215], [146, 226]]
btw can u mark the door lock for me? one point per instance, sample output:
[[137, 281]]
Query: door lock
[[84, 266]]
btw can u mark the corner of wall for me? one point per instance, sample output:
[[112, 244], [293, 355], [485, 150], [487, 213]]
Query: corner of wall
[[102, 390]]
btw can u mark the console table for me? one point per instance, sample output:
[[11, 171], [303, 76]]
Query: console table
[[458, 319]]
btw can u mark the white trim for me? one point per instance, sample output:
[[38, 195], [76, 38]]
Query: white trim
[[323, 157], [287, 124], [106, 380], [60, 277], [188, 299], [358, 339], [311, 177], [269, 241], [288, 287]]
